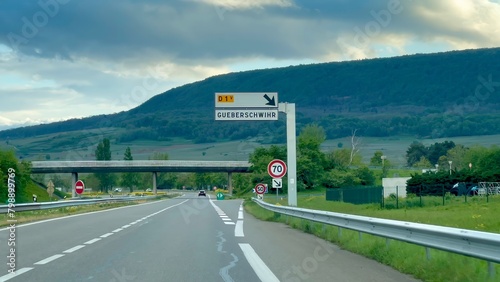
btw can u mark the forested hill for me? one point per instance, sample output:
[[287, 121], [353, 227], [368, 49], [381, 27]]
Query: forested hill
[[439, 95]]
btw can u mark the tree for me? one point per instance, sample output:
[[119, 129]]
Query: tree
[[354, 146], [129, 180], [376, 160], [457, 156], [310, 159], [415, 152], [19, 172], [103, 153], [423, 163]]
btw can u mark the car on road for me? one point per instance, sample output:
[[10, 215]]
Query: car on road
[[202, 193], [119, 190]]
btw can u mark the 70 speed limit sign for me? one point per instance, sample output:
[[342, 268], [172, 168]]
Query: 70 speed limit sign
[[276, 168]]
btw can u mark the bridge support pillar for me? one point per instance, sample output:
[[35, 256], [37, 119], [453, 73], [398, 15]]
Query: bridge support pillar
[[230, 182], [155, 174], [74, 179]]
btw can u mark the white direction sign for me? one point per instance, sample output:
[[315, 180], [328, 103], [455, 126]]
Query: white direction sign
[[246, 100], [277, 183], [246, 114], [276, 168]]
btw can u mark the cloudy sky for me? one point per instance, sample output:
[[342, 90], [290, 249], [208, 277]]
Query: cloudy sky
[[75, 58]]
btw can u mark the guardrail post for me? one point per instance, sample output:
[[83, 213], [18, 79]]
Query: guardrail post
[[387, 243], [340, 232], [360, 235], [491, 270], [428, 253]]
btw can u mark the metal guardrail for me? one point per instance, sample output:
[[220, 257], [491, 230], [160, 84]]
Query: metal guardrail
[[477, 244], [68, 203]]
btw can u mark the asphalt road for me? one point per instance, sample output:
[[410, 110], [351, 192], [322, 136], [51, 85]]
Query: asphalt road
[[182, 239]]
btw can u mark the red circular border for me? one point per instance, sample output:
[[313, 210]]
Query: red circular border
[[83, 186], [270, 165], [257, 190]]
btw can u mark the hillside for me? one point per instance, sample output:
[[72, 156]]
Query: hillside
[[432, 95]]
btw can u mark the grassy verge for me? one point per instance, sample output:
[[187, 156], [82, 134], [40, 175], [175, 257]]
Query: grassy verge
[[37, 215], [405, 257]]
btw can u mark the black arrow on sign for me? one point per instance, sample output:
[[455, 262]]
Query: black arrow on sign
[[270, 101]]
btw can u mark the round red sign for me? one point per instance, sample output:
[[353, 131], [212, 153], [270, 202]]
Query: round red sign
[[276, 168], [79, 187]]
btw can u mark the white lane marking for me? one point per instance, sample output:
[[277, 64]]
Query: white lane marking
[[126, 226], [92, 241], [106, 235], [238, 229], [223, 216], [73, 249], [117, 230], [49, 259], [240, 212], [229, 222], [263, 272], [81, 214], [226, 219], [15, 273]]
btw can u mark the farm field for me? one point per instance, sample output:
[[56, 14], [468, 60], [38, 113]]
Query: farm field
[[80, 145]]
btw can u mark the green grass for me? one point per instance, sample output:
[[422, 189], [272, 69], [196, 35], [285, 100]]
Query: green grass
[[476, 214]]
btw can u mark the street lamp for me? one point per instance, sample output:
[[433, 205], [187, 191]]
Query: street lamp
[[437, 167], [383, 159], [450, 166]]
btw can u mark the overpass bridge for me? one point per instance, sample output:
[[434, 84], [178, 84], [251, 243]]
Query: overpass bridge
[[153, 166]]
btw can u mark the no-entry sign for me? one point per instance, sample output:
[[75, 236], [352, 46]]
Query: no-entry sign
[[79, 187], [276, 168]]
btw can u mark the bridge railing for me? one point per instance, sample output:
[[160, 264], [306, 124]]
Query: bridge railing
[[477, 244]]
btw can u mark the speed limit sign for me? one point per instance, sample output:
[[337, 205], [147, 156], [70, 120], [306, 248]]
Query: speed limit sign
[[260, 188], [276, 168]]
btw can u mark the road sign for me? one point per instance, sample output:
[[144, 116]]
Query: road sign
[[277, 183], [50, 188], [276, 168], [260, 188], [79, 187], [246, 100], [220, 196], [245, 114]]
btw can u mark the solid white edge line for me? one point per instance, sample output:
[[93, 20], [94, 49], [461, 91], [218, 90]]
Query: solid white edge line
[[126, 226], [49, 259], [260, 268], [92, 241], [238, 229], [117, 230], [106, 235], [73, 249], [15, 273], [240, 215]]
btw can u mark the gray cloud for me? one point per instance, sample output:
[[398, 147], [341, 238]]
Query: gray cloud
[[100, 51]]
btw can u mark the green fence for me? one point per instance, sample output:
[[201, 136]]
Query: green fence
[[356, 195]]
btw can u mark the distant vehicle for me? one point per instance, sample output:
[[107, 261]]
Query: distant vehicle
[[149, 190], [202, 193], [460, 189], [119, 190]]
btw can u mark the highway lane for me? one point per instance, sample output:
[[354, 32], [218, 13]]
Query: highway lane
[[183, 239]]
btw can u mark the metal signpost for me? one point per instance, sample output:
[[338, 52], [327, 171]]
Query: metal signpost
[[263, 106], [276, 169]]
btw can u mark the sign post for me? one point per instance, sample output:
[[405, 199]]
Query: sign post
[[50, 189], [79, 187], [276, 169], [263, 106]]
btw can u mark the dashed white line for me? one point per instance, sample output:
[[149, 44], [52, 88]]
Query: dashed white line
[[226, 219], [15, 273], [263, 272], [92, 241], [106, 235], [229, 222], [126, 226], [117, 230], [49, 259], [73, 249], [238, 229]]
